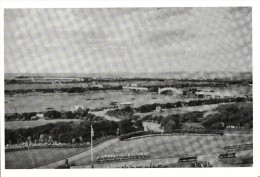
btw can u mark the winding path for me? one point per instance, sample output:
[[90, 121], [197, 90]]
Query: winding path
[[103, 114]]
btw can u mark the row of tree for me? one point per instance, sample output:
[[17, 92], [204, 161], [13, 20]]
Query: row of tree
[[63, 90], [73, 132], [151, 107], [123, 113], [52, 114]]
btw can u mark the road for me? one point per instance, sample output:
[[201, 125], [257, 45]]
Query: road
[[81, 155], [103, 114]]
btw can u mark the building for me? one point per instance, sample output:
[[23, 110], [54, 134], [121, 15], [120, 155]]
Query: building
[[137, 89], [95, 84], [78, 108], [40, 116], [205, 94], [158, 109], [124, 105]]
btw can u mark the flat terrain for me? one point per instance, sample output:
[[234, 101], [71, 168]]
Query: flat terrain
[[165, 147], [35, 123], [49, 157], [38, 157], [172, 146]]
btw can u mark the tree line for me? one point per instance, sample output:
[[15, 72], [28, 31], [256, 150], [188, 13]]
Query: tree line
[[68, 132], [63, 90], [152, 107]]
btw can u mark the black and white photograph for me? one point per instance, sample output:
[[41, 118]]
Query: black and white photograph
[[128, 87]]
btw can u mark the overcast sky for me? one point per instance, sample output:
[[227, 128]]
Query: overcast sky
[[128, 40]]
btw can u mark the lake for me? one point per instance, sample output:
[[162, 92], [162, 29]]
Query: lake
[[93, 100]]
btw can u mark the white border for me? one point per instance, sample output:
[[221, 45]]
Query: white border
[[213, 172]]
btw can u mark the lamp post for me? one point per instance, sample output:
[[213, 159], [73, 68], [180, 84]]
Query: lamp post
[[91, 148]]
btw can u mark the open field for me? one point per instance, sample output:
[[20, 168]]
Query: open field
[[37, 157], [35, 123], [172, 146], [152, 126]]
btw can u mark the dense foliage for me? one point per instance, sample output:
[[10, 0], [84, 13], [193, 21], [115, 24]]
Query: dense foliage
[[123, 113], [230, 115], [65, 132], [225, 115], [63, 90], [151, 107], [52, 114]]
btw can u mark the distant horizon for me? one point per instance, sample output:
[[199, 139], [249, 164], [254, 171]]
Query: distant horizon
[[129, 72], [159, 75]]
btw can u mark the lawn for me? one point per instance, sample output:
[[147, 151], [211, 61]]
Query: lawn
[[38, 157], [172, 146]]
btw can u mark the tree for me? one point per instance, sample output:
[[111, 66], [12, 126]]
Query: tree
[[53, 114], [219, 125], [170, 126], [126, 126], [139, 125]]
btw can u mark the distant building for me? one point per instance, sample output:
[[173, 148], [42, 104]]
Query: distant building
[[158, 109], [205, 94], [137, 89], [95, 84], [134, 85], [124, 105], [78, 108], [34, 118], [231, 127], [40, 116]]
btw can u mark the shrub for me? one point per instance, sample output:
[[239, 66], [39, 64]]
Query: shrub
[[133, 134]]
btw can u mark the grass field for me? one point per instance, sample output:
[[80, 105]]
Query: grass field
[[172, 146], [27, 124], [38, 157], [157, 147]]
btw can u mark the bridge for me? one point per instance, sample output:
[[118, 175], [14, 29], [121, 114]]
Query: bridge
[[174, 90]]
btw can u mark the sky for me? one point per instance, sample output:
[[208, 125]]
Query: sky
[[137, 40]]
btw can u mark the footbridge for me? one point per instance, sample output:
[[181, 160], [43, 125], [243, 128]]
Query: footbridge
[[174, 90]]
